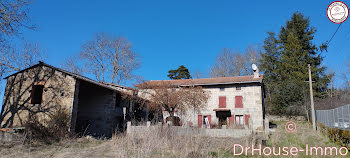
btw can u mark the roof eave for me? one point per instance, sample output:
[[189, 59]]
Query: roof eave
[[222, 83]]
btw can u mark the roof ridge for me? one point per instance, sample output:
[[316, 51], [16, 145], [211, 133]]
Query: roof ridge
[[207, 78], [78, 76]]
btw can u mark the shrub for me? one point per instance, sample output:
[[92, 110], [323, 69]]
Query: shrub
[[53, 130], [342, 137]]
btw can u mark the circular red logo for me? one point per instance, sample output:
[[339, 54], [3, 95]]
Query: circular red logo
[[337, 12]]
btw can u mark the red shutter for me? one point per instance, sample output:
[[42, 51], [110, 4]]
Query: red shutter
[[238, 102], [200, 121], [246, 118], [222, 102], [232, 119], [209, 118]]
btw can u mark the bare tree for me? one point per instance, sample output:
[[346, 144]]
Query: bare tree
[[198, 74], [234, 63], [111, 59], [13, 16], [228, 63], [71, 64], [331, 77], [14, 58], [164, 95], [253, 55], [196, 97]]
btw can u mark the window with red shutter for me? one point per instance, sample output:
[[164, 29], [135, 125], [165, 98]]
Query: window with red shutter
[[231, 120], [200, 121], [246, 118], [222, 102], [238, 102], [205, 123], [209, 118]]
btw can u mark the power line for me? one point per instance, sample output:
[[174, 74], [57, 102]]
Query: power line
[[329, 41]]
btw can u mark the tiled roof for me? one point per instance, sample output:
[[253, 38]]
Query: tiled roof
[[208, 81]]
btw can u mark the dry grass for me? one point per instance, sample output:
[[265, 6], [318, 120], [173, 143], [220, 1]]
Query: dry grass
[[302, 136], [163, 144], [150, 144]]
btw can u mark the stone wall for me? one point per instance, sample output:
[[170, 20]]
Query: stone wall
[[285, 118], [58, 93], [10, 137], [188, 131], [97, 110], [252, 104]]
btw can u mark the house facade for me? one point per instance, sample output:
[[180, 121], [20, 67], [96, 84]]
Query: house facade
[[236, 102], [94, 108]]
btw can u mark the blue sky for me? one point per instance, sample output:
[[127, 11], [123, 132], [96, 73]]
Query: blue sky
[[166, 33]]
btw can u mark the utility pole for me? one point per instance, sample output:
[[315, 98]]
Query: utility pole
[[312, 101]]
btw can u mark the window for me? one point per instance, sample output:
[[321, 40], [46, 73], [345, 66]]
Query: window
[[238, 88], [207, 121], [239, 120], [238, 102], [37, 94], [222, 101], [222, 89]]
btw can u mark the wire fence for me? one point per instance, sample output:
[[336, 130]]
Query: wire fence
[[335, 118]]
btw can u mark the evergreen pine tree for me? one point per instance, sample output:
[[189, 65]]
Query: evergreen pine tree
[[179, 73], [284, 63]]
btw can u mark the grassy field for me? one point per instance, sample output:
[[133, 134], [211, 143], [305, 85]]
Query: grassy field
[[165, 145], [302, 136]]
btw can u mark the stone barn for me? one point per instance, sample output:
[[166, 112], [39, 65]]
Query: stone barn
[[94, 108]]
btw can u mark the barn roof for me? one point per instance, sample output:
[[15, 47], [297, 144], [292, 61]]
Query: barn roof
[[74, 75]]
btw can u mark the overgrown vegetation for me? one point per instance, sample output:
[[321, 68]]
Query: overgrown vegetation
[[167, 96], [339, 136], [53, 130], [165, 144], [303, 135]]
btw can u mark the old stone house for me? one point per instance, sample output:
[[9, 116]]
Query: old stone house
[[236, 102], [94, 108]]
